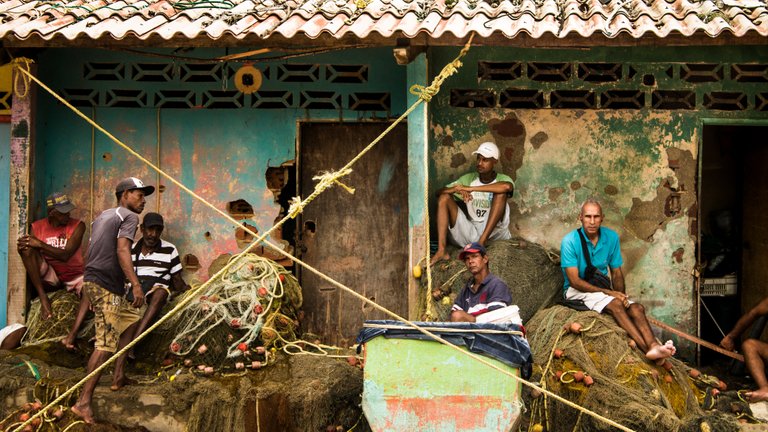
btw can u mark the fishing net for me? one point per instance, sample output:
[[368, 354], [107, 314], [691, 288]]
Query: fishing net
[[250, 309], [532, 273], [626, 388], [64, 306]]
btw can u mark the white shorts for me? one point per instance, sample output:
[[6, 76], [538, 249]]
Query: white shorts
[[465, 231], [7, 330], [595, 301]]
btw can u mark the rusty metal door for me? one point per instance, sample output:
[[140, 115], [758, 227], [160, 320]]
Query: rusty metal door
[[360, 239]]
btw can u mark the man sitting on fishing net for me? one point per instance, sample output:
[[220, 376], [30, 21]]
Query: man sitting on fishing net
[[474, 207], [51, 253], [483, 292], [755, 351], [586, 255], [158, 267]]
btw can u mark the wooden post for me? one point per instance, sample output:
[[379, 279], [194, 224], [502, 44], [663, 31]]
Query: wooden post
[[22, 145]]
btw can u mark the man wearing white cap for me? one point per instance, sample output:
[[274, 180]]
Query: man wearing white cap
[[51, 252], [474, 208]]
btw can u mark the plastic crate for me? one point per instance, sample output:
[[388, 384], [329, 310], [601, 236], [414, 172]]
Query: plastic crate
[[719, 287]]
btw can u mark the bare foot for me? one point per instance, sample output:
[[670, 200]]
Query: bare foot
[[439, 256], [658, 352], [757, 395], [119, 383], [84, 413]]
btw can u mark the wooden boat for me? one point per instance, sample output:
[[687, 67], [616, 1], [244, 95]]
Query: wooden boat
[[423, 385]]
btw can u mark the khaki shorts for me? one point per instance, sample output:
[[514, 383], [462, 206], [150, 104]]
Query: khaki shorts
[[114, 314]]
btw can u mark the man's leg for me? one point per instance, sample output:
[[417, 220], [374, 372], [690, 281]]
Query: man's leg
[[13, 340], [118, 377], [157, 300], [635, 323], [755, 354], [82, 311], [447, 210], [83, 406], [32, 261], [498, 207]]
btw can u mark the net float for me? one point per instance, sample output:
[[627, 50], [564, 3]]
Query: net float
[[558, 374], [667, 365], [239, 365], [242, 346], [715, 392], [282, 278], [694, 373], [202, 349], [36, 405], [352, 360], [258, 308], [722, 385], [632, 343], [261, 350], [235, 323], [575, 328], [208, 370], [256, 364], [537, 428], [187, 362], [175, 347], [588, 380], [23, 417], [558, 353], [578, 376], [668, 379]]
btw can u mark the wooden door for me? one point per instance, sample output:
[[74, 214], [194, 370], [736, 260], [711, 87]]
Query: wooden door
[[360, 239], [754, 256]]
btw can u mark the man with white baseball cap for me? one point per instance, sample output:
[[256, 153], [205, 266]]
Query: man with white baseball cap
[[474, 208]]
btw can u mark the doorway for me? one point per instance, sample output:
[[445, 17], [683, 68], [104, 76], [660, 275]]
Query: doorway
[[360, 239], [734, 228]]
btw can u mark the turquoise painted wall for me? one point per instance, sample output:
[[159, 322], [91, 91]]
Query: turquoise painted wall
[[5, 179], [640, 161], [220, 153]]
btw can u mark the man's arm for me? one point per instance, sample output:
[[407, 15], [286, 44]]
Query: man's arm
[[580, 284], [458, 315], [617, 280], [744, 322], [500, 187], [178, 284], [124, 258], [60, 254]]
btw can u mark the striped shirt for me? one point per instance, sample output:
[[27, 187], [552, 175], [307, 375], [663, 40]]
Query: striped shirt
[[492, 294], [157, 267]]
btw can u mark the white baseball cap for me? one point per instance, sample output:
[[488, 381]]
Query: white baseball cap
[[488, 150]]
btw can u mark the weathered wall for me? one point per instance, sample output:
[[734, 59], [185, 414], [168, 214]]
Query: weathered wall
[[622, 125], [215, 140]]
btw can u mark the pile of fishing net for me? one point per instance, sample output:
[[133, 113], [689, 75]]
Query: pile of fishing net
[[64, 306], [233, 324], [598, 368], [532, 273]]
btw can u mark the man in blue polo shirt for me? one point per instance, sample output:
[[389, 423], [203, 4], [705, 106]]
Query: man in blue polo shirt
[[605, 254], [483, 292]]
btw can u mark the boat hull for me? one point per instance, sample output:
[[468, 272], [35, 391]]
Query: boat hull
[[416, 385]]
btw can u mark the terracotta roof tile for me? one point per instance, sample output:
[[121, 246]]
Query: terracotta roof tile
[[240, 19]]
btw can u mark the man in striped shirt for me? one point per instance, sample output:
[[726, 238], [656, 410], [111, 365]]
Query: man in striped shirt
[[158, 266], [483, 292]]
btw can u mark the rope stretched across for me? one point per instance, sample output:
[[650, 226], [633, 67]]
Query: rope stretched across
[[425, 94]]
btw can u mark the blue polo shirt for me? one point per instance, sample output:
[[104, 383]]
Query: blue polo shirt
[[606, 254], [492, 294]]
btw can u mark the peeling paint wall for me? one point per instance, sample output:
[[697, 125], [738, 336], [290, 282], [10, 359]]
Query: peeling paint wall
[[223, 155], [641, 163]]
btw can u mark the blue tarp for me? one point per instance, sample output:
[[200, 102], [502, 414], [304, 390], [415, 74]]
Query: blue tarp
[[510, 349]]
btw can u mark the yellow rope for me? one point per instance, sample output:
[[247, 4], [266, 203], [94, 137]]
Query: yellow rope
[[425, 95], [22, 64]]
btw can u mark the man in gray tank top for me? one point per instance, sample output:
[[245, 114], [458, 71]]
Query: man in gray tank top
[[107, 267]]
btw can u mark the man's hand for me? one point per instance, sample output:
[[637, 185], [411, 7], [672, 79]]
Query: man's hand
[[728, 343], [138, 295], [28, 241], [466, 194], [620, 296]]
